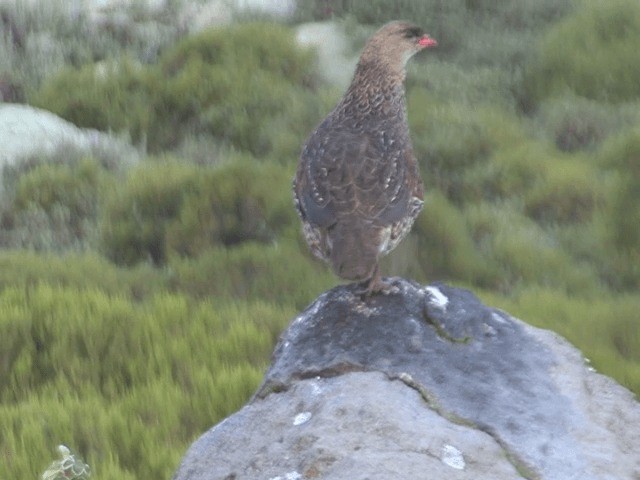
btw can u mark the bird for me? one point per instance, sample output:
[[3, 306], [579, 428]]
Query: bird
[[357, 186]]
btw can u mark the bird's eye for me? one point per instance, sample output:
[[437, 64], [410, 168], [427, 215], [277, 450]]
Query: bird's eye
[[413, 32]]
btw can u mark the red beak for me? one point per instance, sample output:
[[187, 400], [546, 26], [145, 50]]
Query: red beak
[[427, 42]]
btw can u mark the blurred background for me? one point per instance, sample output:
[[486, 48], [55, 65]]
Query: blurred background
[[150, 254]]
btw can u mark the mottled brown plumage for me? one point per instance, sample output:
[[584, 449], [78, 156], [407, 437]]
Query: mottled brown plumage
[[357, 188]]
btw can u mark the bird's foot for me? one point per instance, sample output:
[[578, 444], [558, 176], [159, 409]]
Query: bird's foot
[[375, 285]]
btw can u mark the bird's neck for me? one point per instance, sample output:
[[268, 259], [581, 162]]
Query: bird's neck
[[376, 90]]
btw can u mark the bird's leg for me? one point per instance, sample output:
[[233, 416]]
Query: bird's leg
[[375, 285]]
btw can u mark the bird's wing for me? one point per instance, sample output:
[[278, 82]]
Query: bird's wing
[[370, 175]]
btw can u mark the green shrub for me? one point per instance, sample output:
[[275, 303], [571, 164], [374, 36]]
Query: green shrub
[[282, 272], [593, 53], [575, 123], [127, 383], [202, 86], [509, 173], [524, 253], [452, 139], [237, 202], [167, 207], [136, 214], [446, 250], [24, 269], [210, 87], [111, 96], [621, 156], [570, 192], [50, 203]]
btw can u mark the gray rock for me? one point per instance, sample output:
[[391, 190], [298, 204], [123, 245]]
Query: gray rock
[[27, 131], [335, 63], [425, 383]]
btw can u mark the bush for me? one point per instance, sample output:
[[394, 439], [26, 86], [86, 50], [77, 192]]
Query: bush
[[128, 384], [46, 37], [525, 254], [243, 93], [593, 53], [136, 214], [202, 86], [621, 155], [575, 123], [170, 208], [453, 139], [509, 173], [446, 250], [235, 203], [51, 202], [23, 269], [282, 273], [569, 193], [111, 96]]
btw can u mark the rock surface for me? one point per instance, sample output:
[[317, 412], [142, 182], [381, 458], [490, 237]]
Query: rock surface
[[425, 383], [26, 131]]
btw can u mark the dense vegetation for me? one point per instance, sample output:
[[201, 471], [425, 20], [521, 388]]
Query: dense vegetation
[[139, 304]]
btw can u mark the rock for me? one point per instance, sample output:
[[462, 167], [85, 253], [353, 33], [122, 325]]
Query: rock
[[426, 383], [336, 63], [26, 131]]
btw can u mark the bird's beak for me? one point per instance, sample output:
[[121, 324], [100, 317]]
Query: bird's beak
[[427, 42]]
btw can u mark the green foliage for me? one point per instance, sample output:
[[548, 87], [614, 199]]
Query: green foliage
[[575, 123], [446, 248], [112, 96], [451, 140], [593, 53], [127, 383], [622, 221], [248, 271], [203, 85], [569, 192], [40, 38], [167, 207], [51, 202], [524, 253], [81, 271], [136, 214]]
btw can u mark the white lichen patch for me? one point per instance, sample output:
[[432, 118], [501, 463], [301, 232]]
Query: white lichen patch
[[498, 318], [288, 476], [301, 418], [438, 299], [452, 457]]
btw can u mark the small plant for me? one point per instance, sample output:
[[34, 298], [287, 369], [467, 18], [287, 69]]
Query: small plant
[[69, 467]]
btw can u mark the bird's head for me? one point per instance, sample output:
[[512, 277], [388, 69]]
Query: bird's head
[[396, 42]]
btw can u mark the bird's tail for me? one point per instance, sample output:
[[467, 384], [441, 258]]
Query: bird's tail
[[354, 251]]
